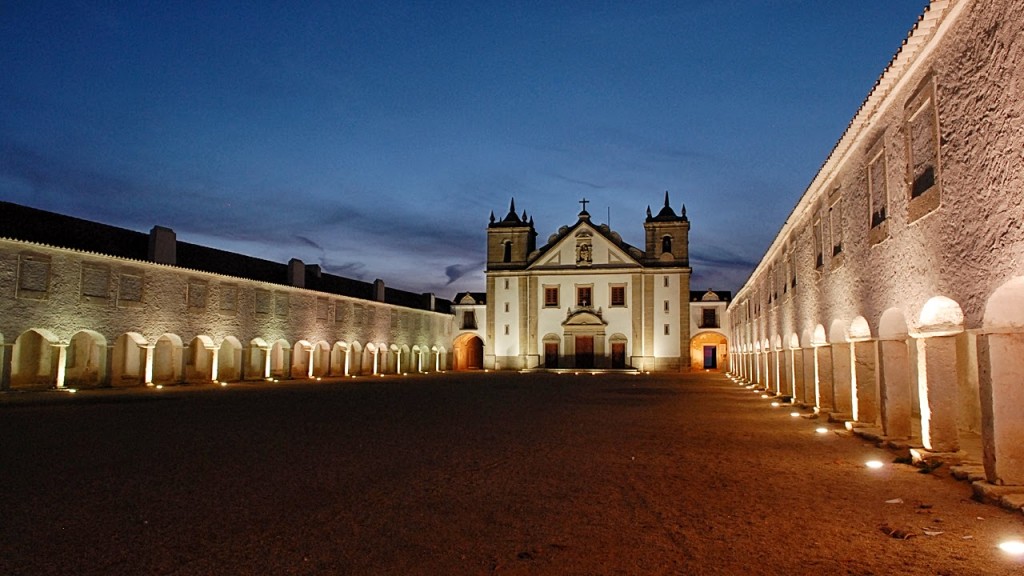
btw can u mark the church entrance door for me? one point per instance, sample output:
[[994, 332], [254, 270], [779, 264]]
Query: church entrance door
[[618, 354], [551, 354], [584, 351]]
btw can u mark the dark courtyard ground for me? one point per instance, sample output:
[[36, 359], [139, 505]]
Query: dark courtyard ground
[[468, 474]]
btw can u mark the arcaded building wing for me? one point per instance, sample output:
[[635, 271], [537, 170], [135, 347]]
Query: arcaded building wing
[[86, 304], [893, 296]]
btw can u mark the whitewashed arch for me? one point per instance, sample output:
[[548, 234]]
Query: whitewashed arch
[[860, 329], [819, 339], [940, 316], [893, 325], [838, 332]]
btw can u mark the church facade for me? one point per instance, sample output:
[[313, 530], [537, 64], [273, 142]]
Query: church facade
[[586, 299]]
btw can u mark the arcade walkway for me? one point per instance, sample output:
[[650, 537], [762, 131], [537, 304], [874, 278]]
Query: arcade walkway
[[468, 474]]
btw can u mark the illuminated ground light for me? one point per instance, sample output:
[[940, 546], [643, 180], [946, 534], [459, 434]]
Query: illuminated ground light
[[1015, 547], [223, 384], [821, 430], [159, 386], [318, 378], [874, 464], [794, 414], [765, 396], [775, 404]]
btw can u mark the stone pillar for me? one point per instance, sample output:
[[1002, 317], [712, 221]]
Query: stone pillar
[[62, 363], [894, 389], [309, 362], [214, 364], [147, 373], [785, 373], [6, 358], [842, 378], [797, 357], [106, 377], [771, 361], [823, 397], [1001, 371], [810, 393], [865, 381], [937, 387], [376, 357]]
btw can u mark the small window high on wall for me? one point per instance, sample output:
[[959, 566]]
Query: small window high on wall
[[923, 166]]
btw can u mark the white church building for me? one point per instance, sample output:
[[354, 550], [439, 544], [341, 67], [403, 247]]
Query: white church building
[[587, 299]]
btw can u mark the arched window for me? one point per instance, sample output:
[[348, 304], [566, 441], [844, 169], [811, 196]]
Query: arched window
[[508, 252], [666, 244]]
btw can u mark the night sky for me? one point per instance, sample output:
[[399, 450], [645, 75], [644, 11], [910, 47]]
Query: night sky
[[375, 138]]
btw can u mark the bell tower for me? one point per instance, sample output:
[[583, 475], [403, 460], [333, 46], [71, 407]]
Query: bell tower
[[667, 237], [510, 240]]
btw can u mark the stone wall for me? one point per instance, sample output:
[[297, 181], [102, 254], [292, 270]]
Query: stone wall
[[51, 294], [877, 291]]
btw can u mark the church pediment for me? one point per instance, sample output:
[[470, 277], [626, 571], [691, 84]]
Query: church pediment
[[584, 317], [583, 246]]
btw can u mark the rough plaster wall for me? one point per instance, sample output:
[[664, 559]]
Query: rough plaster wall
[[966, 247], [165, 309]]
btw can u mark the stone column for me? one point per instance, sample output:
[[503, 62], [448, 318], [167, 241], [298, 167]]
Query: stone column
[[785, 373], [771, 361], [62, 363], [106, 378], [937, 387], [865, 381], [6, 358], [824, 401], [312, 356], [809, 394], [1001, 371], [842, 379], [797, 357], [894, 389], [147, 373], [214, 364]]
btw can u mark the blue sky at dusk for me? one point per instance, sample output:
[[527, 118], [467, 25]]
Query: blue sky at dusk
[[376, 138]]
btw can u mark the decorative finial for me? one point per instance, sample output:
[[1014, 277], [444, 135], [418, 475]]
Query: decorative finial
[[649, 212], [524, 216], [512, 206], [584, 202], [666, 199], [683, 210], [492, 216]]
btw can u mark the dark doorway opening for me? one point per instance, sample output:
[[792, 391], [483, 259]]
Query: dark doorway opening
[[710, 357]]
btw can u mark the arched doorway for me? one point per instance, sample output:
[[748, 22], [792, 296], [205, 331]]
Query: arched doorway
[[229, 360], [709, 351], [34, 360], [86, 364], [469, 352], [167, 365]]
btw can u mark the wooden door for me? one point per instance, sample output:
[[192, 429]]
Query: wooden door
[[584, 351], [551, 354], [618, 354]]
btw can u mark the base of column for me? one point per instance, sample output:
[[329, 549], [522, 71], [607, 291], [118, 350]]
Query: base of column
[[839, 417], [929, 458]]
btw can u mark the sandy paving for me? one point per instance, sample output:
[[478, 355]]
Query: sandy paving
[[468, 474]]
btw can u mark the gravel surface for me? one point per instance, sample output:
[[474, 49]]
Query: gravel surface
[[469, 474]]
